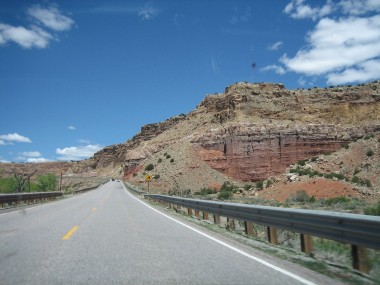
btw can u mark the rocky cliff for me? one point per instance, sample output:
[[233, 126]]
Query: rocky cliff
[[253, 131]]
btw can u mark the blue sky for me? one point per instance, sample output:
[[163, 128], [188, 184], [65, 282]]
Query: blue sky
[[76, 76]]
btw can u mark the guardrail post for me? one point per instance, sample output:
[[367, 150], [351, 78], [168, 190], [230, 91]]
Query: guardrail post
[[216, 219], [306, 243], [189, 211], [360, 258], [205, 215], [249, 231], [196, 213], [272, 235]]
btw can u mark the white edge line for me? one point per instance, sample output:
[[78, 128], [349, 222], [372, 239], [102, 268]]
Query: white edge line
[[274, 267]]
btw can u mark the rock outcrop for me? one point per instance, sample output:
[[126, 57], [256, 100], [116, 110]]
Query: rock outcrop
[[252, 152]]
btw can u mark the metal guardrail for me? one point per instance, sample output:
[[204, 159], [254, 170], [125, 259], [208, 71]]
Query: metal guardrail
[[355, 229], [134, 189], [89, 188], [21, 197], [86, 189]]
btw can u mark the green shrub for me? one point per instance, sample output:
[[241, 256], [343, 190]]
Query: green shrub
[[367, 183], [226, 191], [172, 160], [355, 179], [159, 160], [339, 176], [314, 159], [260, 185], [370, 152], [134, 174], [356, 171], [373, 210], [302, 162], [269, 183], [168, 156], [336, 200], [362, 182], [206, 191], [247, 187], [156, 176], [346, 146], [47, 182], [149, 167], [7, 185], [303, 197], [224, 195]]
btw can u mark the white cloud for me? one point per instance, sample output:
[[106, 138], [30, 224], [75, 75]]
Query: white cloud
[[25, 37], [71, 128], [355, 7], [77, 152], [297, 9], [276, 68], [51, 17], [343, 50], [148, 12], [275, 46], [15, 138], [365, 71], [31, 153], [2, 142], [37, 160], [4, 161], [35, 35]]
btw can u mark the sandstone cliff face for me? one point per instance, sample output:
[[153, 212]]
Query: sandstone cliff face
[[252, 152]]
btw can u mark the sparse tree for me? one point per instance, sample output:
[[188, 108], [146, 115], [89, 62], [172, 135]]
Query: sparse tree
[[21, 181]]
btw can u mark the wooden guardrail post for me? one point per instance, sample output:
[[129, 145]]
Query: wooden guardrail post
[[272, 235], [306, 243], [216, 219], [189, 211], [248, 227], [360, 258], [196, 213], [205, 215]]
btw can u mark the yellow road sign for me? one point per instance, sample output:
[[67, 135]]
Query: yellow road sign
[[148, 178]]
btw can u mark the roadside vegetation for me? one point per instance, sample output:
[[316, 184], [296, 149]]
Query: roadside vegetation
[[19, 183]]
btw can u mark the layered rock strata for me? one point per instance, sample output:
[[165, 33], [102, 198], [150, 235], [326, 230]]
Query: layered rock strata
[[252, 152]]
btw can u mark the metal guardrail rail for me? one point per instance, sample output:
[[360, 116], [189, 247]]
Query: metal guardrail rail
[[21, 197], [86, 189], [361, 231], [133, 188]]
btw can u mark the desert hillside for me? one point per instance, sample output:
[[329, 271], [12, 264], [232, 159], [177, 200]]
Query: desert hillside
[[256, 132]]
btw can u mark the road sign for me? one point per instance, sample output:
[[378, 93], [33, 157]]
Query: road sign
[[148, 178]]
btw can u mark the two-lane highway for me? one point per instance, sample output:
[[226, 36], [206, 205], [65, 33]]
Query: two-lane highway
[[107, 236]]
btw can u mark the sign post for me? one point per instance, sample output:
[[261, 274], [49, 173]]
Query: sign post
[[148, 178]]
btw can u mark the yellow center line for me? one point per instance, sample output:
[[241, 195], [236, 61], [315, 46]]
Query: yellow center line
[[93, 209], [70, 233]]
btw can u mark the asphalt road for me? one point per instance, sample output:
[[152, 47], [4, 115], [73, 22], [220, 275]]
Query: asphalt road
[[107, 236]]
